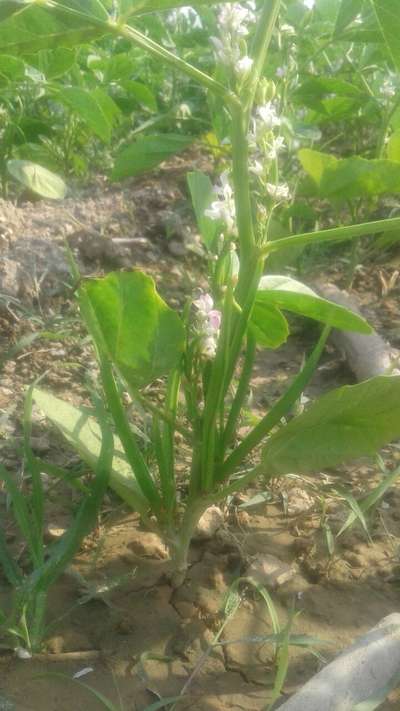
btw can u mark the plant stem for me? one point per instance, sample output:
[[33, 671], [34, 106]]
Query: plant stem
[[334, 234], [279, 410], [240, 395], [260, 47]]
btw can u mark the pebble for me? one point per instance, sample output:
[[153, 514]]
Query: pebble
[[270, 571]]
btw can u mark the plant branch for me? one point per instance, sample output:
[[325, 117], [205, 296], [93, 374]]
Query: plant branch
[[334, 234]]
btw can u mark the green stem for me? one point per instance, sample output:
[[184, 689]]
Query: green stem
[[127, 437], [279, 410], [159, 52], [334, 234], [241, 183], [260, 47], [240, 395], [215, 395]]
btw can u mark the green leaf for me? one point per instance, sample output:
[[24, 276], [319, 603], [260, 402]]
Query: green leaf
[[54, 63], [87, 105], [268, 325], [348, 11], [141, 93], [37, 28], [283, 292], [348, 178], [393, 147], [38, 179], [139, 7], [11, 68], [146, 153], [84, 434], [144, 338], [202, 194], [388, 16], [347, 423], [10, 7]]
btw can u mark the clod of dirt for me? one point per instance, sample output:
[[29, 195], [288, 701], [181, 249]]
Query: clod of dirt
[[298, 501], [148, 545], [11, 278], [269, 571], [209, 523]]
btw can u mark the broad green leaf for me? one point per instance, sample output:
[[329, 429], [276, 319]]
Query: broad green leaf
[[146, 153], [90, 8], [143, 336], [268, 325], [350, 177], [393, 147], [140, 7], [54, 63], [38, 179], [202, 194], [316, 163], [84, 434], [141, 93], [12, 68], [286, 293], [348, 11], [316, 92], [87, 106], [347, 423], [388, 16], [10, 7], [37, 28], [111, 111]]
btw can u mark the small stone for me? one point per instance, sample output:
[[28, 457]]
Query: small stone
[[177, 249], [40, 445], [53, 532], [269, 571], [211, 520]]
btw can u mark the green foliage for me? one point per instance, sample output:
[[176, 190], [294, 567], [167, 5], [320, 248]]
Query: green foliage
[[147, 153], [142, 336], [288, 294], [202, 194], [37, 179], [349, 178], [353, 421], [82, 431]]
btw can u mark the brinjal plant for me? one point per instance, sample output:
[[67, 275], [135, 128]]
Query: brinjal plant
[[203, 357]]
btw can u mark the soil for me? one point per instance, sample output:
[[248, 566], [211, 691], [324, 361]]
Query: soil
[[142, 639]]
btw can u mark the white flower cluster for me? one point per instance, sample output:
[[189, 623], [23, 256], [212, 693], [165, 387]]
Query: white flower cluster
[[233, 21], [224, 208], [264, 146], [188, 15], [208, 323]]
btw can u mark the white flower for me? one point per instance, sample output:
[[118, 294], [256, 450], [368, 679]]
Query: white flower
[[188, 14], [279, 192], [288, 29], [209, 322], [244, 65], [276, 145], [257, 168], [234, 18], [388, 88], [268, 116], [281, 72], [223, 208]]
